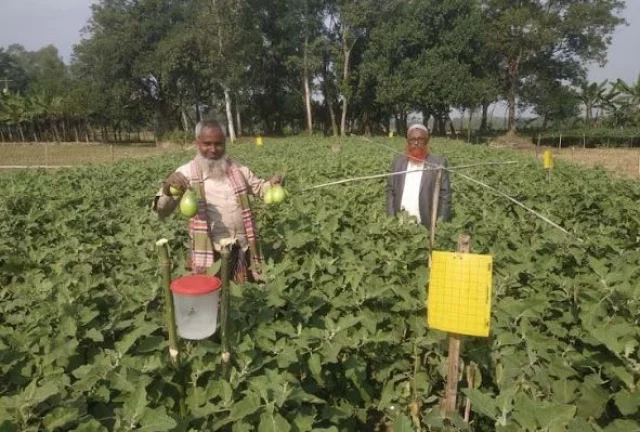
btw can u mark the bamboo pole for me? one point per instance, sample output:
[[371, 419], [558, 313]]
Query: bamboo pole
[[224, 309], [455, 342], [434, 209], [174, 352]]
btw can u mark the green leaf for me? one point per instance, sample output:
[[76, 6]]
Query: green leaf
[[592, 400], [60, 417], [555, 416], [273, 423], [402, 423], [620, 425], [136, 402], [247, 406], [94, 335], [36, 395], [142, 329], [153, 420], [481, 402], [628, 403], [564, 391], [316, 367]]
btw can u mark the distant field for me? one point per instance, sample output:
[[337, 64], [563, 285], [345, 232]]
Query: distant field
[[620, 162], [55, 154]]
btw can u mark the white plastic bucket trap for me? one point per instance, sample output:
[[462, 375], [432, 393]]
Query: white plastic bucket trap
[[195, 299]]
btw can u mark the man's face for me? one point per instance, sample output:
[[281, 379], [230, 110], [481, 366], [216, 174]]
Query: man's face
[[212, 143], [417, 144]]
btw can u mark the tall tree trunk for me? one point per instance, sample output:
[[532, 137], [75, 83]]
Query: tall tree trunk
[[345, 81], [227, 103], [366, 121], [21, 132], [513, 69], [328, 100], [470, 125], [77, 132], [64, 131], [238, 117], [589, 113], [186, 121], [305, 73], [485, 112]]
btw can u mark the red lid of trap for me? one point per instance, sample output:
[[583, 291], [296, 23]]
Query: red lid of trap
[[195, 284]]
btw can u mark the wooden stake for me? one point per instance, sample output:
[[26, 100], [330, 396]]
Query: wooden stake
[[471, 369], [434, 209], [560, 144], [453, 365]]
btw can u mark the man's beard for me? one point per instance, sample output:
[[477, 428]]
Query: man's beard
[[417, 154], [216, 168]]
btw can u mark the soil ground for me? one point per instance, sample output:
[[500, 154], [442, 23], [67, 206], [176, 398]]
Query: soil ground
[[620, 162]]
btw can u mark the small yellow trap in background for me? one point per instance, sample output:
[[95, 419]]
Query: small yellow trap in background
[[390, 134], [548, 159], [259, 140], [459, 297]]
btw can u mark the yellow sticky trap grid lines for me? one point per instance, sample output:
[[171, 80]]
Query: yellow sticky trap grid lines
[[459, 298]]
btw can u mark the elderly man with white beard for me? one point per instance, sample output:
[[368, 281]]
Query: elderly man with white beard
[[221, 185]]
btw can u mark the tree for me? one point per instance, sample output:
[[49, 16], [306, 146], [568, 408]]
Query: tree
[[526, 33], [592, 96], [422, 56]]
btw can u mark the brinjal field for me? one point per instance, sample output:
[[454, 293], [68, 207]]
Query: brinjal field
[[337, 338]]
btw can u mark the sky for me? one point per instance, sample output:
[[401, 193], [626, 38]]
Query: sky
[[37, 23]]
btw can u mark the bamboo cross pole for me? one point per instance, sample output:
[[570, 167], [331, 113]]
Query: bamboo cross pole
[[455, 342]]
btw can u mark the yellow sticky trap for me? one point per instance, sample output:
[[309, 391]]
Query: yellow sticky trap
[[459, 296], [391, 134], [548, 159], [259, 141]]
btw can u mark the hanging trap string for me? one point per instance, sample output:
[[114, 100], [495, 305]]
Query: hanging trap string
[[431, 167], [491, 188]]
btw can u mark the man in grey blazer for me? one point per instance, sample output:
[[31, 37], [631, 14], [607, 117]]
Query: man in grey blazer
[[413, 191]]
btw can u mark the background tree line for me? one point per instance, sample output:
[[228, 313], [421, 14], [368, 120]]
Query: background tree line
[[317, 66]]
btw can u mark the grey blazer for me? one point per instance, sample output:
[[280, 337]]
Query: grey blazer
[[395, 186]]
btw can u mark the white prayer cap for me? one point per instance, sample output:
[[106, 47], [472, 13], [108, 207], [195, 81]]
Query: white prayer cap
[[418, 126]]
